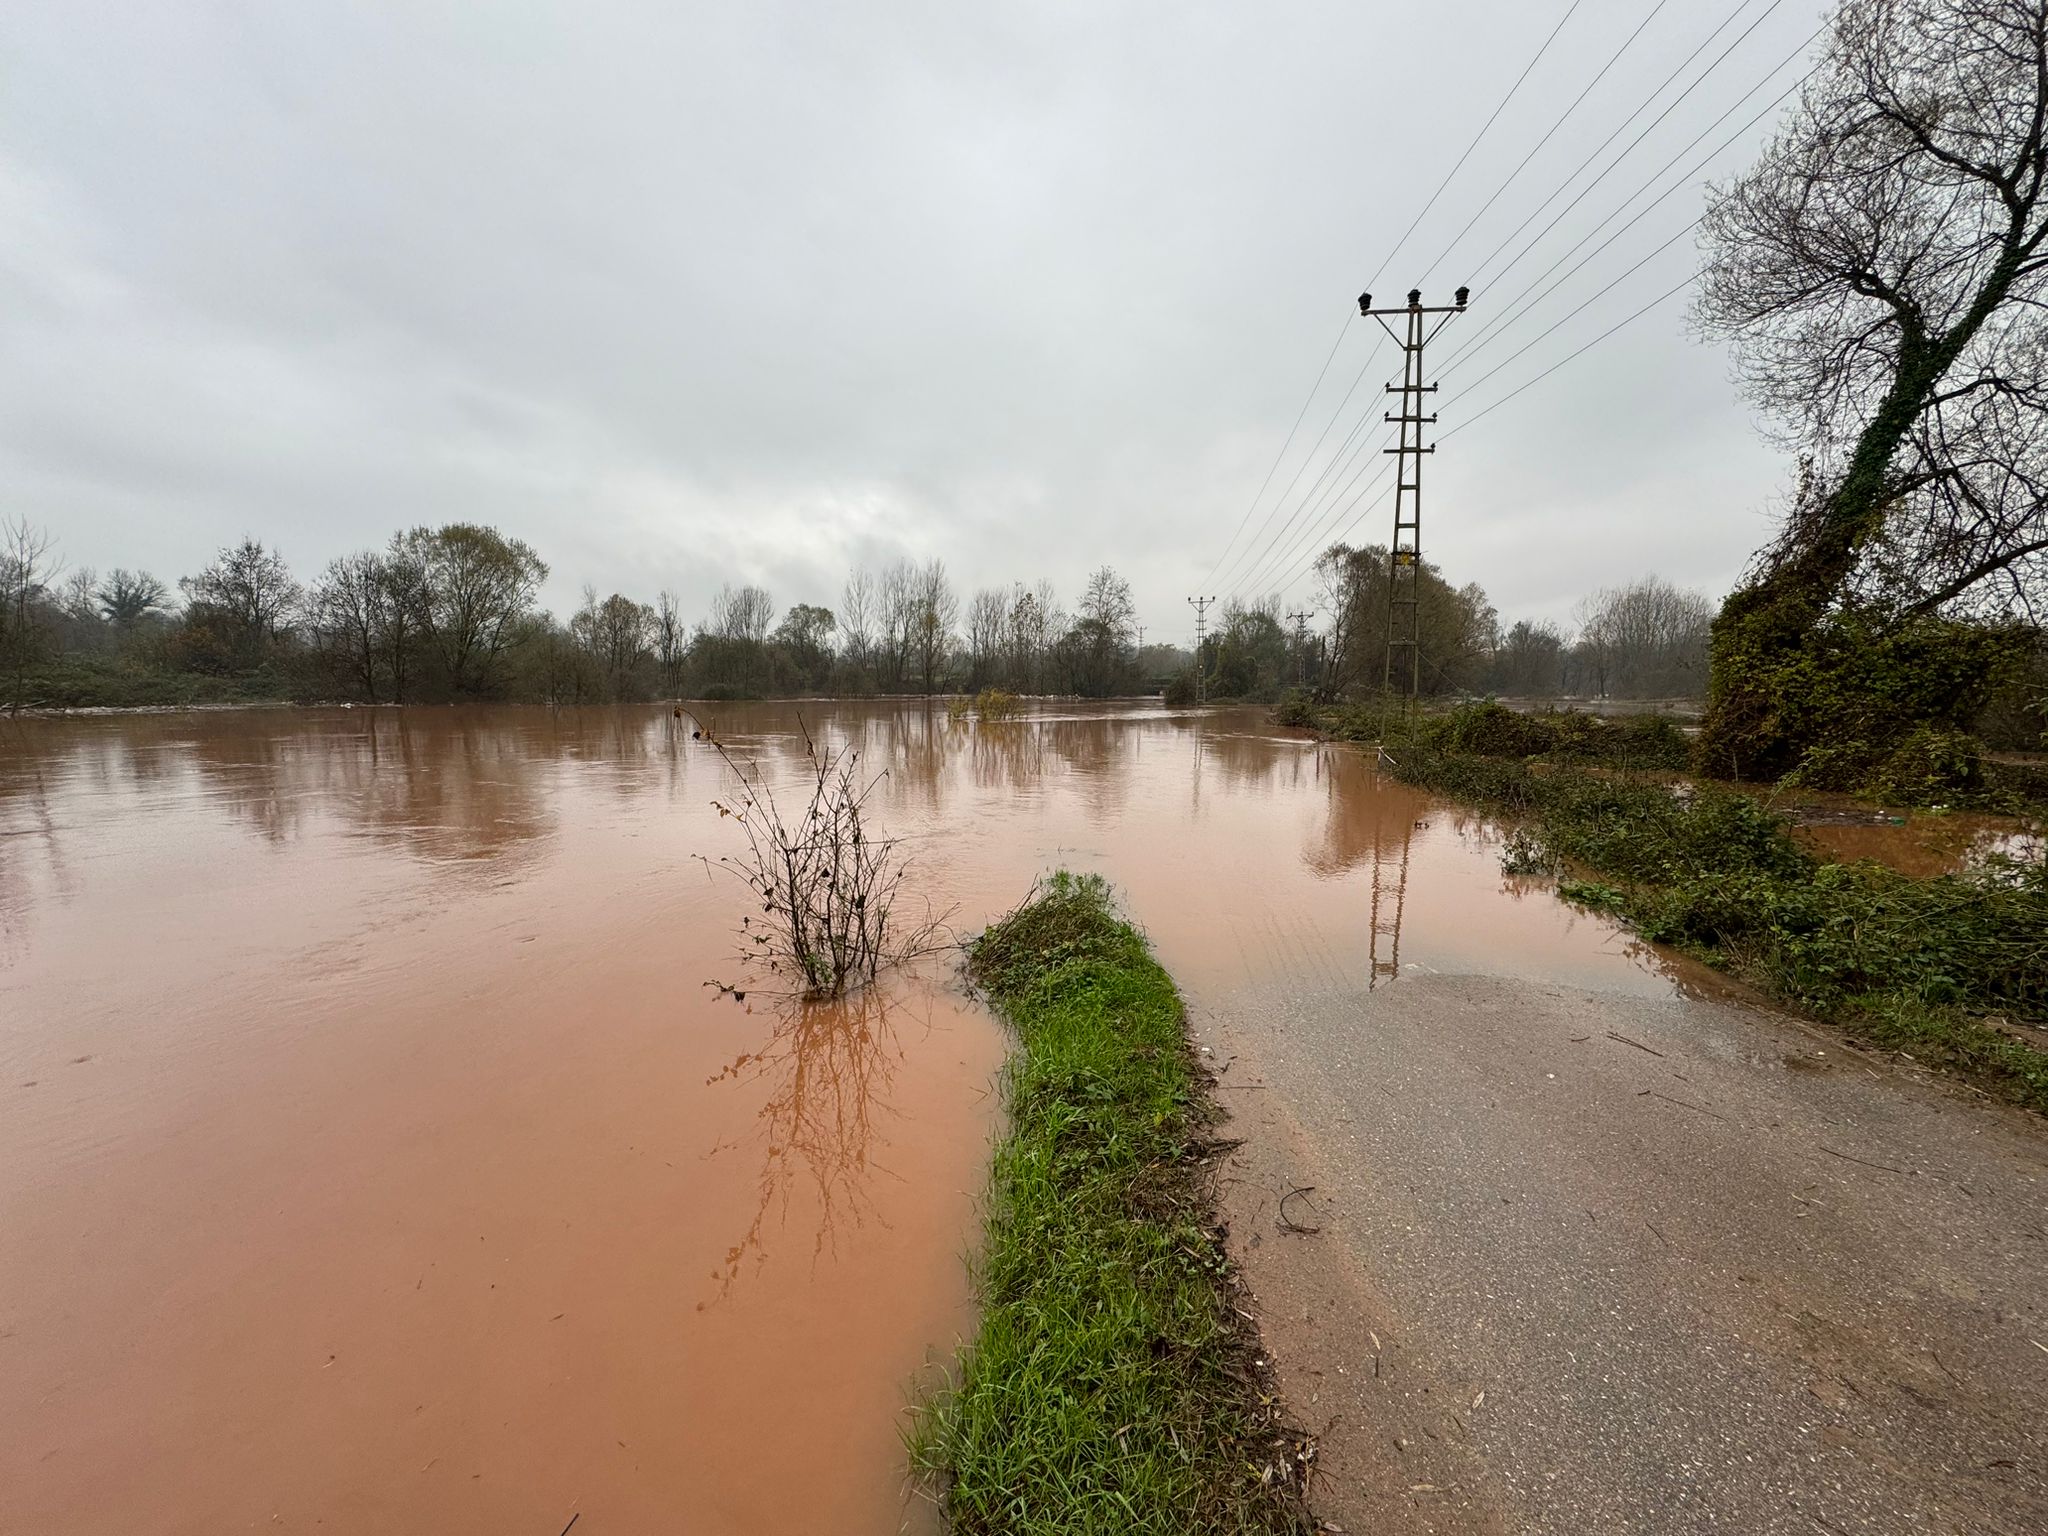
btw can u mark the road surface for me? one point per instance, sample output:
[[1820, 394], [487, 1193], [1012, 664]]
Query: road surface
[[1592, 1261]]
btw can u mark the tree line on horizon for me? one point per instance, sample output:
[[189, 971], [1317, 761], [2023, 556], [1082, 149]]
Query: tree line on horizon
[[453, 613]]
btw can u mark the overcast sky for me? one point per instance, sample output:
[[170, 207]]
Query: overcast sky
[[684, 294]]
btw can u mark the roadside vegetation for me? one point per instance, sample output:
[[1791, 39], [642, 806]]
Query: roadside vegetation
[[1113, 1386], [1938, 968]]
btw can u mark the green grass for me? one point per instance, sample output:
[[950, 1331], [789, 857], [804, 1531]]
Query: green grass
[[1112, 1387]]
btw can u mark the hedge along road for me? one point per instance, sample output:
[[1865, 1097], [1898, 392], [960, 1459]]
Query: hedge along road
[[1601, 1248]]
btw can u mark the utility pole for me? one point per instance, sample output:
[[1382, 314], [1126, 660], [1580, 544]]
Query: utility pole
[[1201, 607], [1300, 644], [1404, 554]]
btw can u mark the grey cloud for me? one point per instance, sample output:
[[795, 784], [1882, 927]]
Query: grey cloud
[[689, 293]]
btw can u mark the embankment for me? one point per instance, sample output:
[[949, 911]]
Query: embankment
[[1116, 1384]]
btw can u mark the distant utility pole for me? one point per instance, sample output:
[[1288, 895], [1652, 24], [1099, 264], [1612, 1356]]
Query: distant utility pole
[[1404, 554], [1301, 644], [1201, 607]]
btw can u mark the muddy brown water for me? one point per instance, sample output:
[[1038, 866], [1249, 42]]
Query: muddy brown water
[[1920, 843], [374, 1158]]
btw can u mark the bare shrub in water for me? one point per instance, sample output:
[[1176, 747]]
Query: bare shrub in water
[[830, 892]]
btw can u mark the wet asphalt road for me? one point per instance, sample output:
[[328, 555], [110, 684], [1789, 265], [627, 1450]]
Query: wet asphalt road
[[1589, 1262]]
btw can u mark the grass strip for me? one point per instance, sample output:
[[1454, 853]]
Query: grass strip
[[1113, 1386]]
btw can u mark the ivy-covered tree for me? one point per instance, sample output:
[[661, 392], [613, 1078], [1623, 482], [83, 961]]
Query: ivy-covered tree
[[1882, 275]]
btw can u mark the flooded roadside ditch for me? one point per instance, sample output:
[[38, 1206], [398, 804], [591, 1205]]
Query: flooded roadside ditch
[[375, 1155]]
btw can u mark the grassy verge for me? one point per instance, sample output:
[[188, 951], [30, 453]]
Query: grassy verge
[[1113, 1386], [1926, 966]]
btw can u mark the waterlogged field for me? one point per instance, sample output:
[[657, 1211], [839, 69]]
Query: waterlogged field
[[375, 1156]]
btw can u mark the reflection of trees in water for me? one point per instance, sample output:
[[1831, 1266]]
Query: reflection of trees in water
[[828, 1067], [457, 786], [1004, 755], [447, 785], [1247, 762], [30, 839]]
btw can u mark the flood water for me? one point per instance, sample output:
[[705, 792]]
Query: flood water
[[374, 1156]]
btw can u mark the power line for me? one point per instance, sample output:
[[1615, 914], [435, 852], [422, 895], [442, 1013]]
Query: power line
[[1273, 512], [1268, 561], [1329, 536], [1502, 326], [1336, 464], [1612, 60], [1684, 63], [1342, 331], [1439, 192], [1684, 180], [1683, 283], [1609, 288]]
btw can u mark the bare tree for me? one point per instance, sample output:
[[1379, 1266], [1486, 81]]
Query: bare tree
[[742, 613], [26, 572], [737, 634], [406, 615], [934, 609], [247, 598], [1104, 634], [829, 888], [479, 587], [1455, 626], [987, 615], [346, 614], [78, 597], [670, 641], [857, 614], [1036, 621], [896, 618], [1593, 650], [1880, 272], [617, 635]]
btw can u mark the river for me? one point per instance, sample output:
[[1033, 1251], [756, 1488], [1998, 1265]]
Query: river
[[376, 1156]]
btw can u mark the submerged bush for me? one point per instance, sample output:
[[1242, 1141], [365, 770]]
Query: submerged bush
[[1297, 707], [1491, 729], [992, 704], [829, 890]]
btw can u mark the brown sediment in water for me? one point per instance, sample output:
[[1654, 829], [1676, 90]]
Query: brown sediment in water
[[373, 1153], [1922, 844]]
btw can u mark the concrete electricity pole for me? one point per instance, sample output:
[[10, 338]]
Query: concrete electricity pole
[[1404, 554], [1201, 607]]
